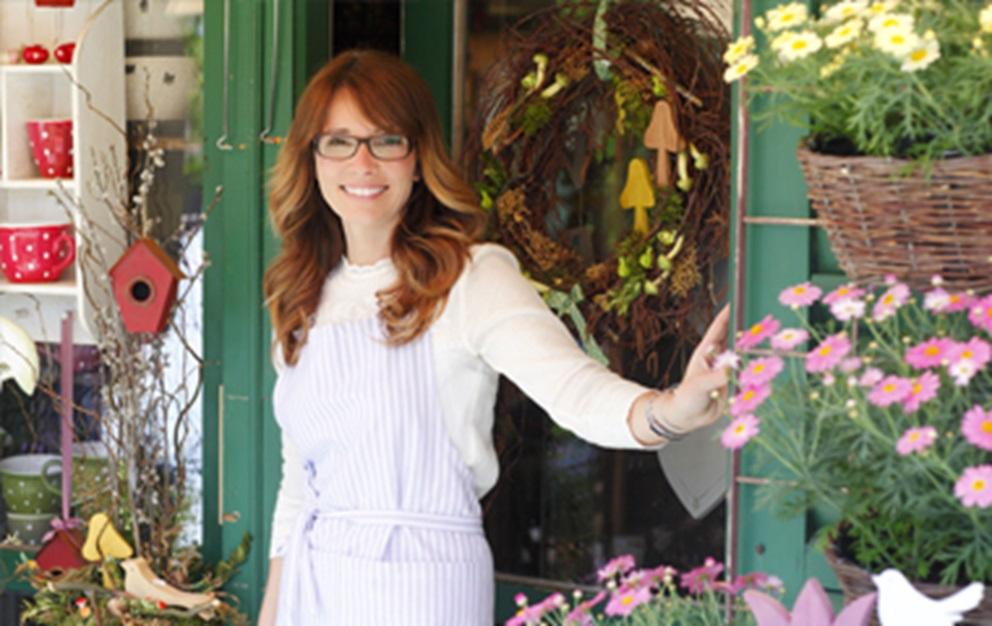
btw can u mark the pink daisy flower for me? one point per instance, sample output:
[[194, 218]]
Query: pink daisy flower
[[740, 431], [703, 577], [617, 566], [625, 600], [580, 615], [974, 488], [977, 427], [758, 333], [890, 301], [803, 294], [916, 440], [761, 371], [847, 309], [870, 377], [936, 300], [959, 302], [980, 314], [843, 292], [789, 338], [923, 388], [828, 354], [965, 359], [890, 390], [930, 353], [532, 615], [850, 364], [748, 399]]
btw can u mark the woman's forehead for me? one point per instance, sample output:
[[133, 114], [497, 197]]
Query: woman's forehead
[[346, 115]]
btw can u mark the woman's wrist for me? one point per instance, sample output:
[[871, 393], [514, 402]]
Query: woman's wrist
[[649, 420]]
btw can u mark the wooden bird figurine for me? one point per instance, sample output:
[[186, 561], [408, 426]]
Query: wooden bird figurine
[[141, 582], [663, 136]]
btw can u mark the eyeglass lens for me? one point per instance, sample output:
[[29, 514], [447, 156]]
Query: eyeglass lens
[[384, 147]]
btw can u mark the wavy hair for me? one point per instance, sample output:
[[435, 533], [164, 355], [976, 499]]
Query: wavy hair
[[430, 245]]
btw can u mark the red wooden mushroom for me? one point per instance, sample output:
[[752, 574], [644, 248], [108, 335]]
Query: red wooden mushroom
[[145, 281]]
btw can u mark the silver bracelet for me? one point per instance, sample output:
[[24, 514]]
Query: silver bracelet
[[660, 429]]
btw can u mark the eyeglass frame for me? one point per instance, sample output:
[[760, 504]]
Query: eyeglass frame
[[360, 140]]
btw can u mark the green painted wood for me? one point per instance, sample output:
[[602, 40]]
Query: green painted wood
[[427, 46]]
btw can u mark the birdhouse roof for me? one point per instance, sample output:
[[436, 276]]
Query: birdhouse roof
[[151, 247]]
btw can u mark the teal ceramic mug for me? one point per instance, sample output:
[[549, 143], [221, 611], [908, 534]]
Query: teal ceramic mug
[[32, 483]]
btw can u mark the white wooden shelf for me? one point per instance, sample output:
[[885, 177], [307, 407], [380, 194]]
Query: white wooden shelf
[[62, 287], [61, 69], [43, 184]]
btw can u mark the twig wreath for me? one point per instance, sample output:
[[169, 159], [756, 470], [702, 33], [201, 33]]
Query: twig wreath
[[594, 90]]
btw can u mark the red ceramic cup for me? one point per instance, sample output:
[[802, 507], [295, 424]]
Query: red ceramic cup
[[35, 253], [51, 145]]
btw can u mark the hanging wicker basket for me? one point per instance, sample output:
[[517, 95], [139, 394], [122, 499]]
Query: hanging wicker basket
[[856, 582], [882, 221]]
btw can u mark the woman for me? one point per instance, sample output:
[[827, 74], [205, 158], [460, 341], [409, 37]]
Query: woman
[[391, 328]]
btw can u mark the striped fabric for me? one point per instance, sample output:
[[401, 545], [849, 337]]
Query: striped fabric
[[392, 531]]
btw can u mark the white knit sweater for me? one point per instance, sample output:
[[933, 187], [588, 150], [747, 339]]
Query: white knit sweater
[[494, 323]]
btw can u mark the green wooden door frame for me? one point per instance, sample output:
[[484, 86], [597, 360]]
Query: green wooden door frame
[[775, 256]]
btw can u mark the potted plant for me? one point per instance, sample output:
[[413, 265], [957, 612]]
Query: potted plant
[[657, 596], [894, 97], [886, 421]]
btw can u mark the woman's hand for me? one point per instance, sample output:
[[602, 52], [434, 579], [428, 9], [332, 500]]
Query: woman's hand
[[700, 399]]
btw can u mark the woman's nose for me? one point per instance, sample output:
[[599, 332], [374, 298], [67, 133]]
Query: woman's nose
[[363, 157]]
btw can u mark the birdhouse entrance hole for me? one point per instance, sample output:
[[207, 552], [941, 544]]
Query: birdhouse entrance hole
[[141, 290]]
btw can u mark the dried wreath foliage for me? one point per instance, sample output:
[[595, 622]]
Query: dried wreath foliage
[[524, 143]]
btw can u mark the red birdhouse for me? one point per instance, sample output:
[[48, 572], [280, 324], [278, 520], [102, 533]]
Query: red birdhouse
[[54, 3], [145, 282], [63, 551]]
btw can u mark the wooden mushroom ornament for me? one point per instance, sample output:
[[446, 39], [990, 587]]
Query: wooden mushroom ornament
[[145, 281], [662, 135], [638, 194]]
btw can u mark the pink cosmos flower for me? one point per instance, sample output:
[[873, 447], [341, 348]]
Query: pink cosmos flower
[[625, 600], [916, 440], [748, 399], [850, 364], [977, 427], [959, 302], [761, 371], [847, 309], [758, 333], [980, 314], [936, 300], [753, 580], [923, 388], [617, 566], [803, 294], [930, 353], [974, 488], [828, 354], [890, 390], [870, 377], [580, 615], [703, 577], [890, 301], [966, 359], [532, 615], [849, 290], [740, 431], [789, 338]]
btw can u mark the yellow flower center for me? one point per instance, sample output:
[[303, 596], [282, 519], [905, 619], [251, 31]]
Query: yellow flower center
[[918, 55], [988, 312], [978, 485], [740, 429], [986, 427], [756, 329], [889, 23], [748, 394], [800, 290], [799, 44], [888, 299], [897, 40], [954, 299], [915, 436], [967, 355], [627, 599], [932, 351], [917, 388], [826, 350], [889, 388], [758, 368], [788, 17], [843, 291]]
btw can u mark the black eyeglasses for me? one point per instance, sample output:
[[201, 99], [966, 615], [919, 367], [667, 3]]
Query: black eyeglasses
[[383, 147]]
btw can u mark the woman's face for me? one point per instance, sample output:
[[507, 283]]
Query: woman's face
[[367, 193]]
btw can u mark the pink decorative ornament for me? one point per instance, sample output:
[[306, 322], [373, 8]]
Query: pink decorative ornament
[[812, 608]]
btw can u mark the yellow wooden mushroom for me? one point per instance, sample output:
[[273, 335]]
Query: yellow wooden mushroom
[[103, 541], [638, 194]]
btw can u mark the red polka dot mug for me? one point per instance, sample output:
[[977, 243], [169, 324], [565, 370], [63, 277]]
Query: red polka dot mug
[[51, 146], [35, 253]]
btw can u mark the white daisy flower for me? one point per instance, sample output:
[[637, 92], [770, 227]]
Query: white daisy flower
[[891, 21], [740, 68], [921, 56], [737, 49], [845, 33], [787, 16], [799, 46], [897, 42], [844, 10], [985, 19], [884, 6]]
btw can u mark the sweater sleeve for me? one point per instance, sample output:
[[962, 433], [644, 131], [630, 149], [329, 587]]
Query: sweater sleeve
[[289, 500], [507, 324]]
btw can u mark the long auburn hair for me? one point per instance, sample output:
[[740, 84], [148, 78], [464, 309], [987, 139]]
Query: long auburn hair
[[430, 245]]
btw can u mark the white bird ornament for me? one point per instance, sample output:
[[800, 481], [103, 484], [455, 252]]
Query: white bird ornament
[[900, 604], [18, 356]]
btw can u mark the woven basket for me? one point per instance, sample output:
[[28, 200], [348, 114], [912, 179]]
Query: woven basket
[[856, 582], [880, 221]]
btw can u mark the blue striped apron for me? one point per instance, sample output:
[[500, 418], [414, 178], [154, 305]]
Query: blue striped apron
[[391, 532]]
